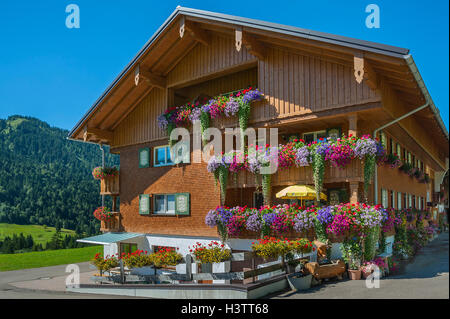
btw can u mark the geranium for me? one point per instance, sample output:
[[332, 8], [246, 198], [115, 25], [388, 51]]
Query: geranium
[[286, 155], [213, 252], [103, 213], [105, 172]]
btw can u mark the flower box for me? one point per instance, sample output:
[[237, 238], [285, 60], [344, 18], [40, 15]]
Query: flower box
[[112, 224], [298, 281], [110, 186]]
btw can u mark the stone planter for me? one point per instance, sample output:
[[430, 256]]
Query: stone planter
[[222, 267], [298, 281], [216, 268], [354, 274]]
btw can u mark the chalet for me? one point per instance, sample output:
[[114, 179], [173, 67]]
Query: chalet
[[314, 85]]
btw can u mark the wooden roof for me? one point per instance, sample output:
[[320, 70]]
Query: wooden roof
[[185, 28]]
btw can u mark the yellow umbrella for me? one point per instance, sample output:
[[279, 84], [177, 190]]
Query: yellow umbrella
[[299, 192]]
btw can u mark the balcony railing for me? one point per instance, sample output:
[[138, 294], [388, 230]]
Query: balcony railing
[[110, 186], [112, 224], [353, 172]]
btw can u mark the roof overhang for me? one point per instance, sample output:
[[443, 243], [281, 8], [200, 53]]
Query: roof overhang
[[109, 238], [382, 58]]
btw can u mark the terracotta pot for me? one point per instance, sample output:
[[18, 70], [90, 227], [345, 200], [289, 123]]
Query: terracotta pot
[[366, 274], [354, 274]]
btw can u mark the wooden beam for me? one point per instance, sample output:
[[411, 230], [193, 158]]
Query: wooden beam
[[100, 134], [151, 78], [253, 46], [195, 31], [370, 76]]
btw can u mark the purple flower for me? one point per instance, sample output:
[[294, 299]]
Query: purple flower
[[324, 215], [231, 107], [302, 157], [365, 147], [269, 218], [253, 222], [322, 148], [251, 96], [195, 114], [162, 122], [214, 164], [211, 218], [303, 221]]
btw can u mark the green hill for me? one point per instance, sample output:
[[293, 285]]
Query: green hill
[[46, 179], [40, 234]]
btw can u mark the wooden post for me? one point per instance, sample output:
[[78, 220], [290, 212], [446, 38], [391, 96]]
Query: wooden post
[[122, 273], [188, 259], [253, 268], [354, 186], [353, 125]]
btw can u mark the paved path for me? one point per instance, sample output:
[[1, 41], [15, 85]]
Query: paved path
[[44, 283], [427, 276]]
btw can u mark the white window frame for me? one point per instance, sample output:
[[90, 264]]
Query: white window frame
[[393, 201], [410, 201], [166, 212], [384, 198], [315, 134], [167, 151], [399, 150], [399, 200]]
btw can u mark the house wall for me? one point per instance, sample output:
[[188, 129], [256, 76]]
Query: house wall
[[183, 178]]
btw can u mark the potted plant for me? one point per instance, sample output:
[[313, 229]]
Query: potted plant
[[104, 264], [213, 258], [354, 271], [370, 267]]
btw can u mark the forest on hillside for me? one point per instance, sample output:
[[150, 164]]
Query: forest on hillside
[[45, 179]]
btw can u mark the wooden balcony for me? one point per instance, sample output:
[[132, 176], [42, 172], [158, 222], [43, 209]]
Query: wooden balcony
[[110, 186], [111, 225], [354, 172]]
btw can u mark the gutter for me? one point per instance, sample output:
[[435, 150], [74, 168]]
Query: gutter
[[429, 102]]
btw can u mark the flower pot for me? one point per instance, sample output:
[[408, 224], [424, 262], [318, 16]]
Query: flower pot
[[298, 281], [354, 274], [366, 274]]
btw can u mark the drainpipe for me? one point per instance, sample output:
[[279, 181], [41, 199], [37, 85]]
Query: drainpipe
[[428, 102], [103, 166]]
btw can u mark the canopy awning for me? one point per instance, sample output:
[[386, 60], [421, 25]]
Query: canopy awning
[[299, 192], [109, 238]]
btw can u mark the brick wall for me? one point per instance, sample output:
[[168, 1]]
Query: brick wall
[[182, 178]]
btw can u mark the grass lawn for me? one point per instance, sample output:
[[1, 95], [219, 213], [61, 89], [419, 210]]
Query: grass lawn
[[47, 258], [40, 234]]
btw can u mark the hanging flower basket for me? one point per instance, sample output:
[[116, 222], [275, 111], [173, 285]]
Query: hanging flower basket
[[103, 213]]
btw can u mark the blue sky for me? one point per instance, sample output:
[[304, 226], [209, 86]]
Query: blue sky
[[55, 74]]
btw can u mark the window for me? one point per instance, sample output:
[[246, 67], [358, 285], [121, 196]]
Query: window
[[399, 150], [128, 248], [165, 204], [392, 199], [383, 139], [144, 204], [391, 146], [409, 158], [172, 204], [399, 200], [314, 136], [258, 199], [162, 156], [409, 201], [144, 157], [384, 198]]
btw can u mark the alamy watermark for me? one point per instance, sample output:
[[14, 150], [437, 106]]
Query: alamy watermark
[[73, 280], [73, 19], [373, 19]]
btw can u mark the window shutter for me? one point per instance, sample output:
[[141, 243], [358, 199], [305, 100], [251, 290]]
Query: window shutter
[[144, 157], [182, 204], [144, 204]]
